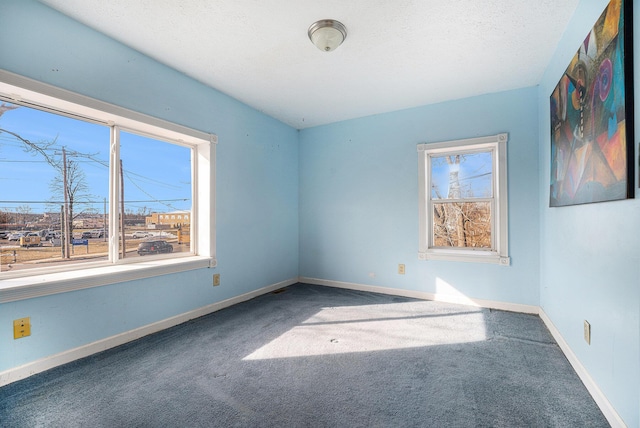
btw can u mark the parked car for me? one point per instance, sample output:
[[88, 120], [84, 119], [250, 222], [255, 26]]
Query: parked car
[[154, 247], [52, 235], [141, 234], [86, 235], [15, 236], [97, 233]]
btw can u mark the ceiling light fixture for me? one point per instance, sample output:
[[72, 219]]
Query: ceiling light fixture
[[327, 34]]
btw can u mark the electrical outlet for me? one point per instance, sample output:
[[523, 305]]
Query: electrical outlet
[[21, 328], [401, 269], [587, 332], [216, 279]]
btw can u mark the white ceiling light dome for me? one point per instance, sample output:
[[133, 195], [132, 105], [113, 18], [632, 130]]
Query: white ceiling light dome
[[327, 34]]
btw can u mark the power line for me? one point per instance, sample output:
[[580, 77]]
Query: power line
[[475, 176], [145, 192], [94, 202], [22, 161], [85, 158]]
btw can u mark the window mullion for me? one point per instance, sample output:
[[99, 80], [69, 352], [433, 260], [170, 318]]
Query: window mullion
[[424, 202], [502, 210], [193, 236], [461, 201], [114, 196]]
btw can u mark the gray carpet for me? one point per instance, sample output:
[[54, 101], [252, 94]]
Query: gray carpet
[[311, 356]]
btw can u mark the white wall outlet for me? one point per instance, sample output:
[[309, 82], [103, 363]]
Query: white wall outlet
[[216, 279], [401, 269]]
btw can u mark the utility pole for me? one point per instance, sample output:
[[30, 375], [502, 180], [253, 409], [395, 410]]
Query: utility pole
[[63, 237], [66, 229], [104, 221], [124, 248]]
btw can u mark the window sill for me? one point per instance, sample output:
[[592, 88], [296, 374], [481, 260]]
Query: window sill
[[29, 287], [471, 257]]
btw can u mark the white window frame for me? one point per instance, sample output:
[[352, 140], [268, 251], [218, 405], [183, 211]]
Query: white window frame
[[38, 282], [499, 253]]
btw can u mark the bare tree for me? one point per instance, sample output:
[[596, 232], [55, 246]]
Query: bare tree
[[4, 107], [459, 224], [5, 217], [23, 212], [76, 187], [455, 193], [449, 218], [43, 148], [71, 182], [144, 211]]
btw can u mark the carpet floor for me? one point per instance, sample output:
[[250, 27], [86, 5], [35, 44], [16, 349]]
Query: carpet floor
[[313, 356]]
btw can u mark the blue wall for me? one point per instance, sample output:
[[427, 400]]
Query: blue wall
[[590, 254], [257, 183], [359, 198], [339, 202]]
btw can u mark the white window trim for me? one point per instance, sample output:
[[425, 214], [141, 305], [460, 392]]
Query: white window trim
[[39, 282], [500, 254]]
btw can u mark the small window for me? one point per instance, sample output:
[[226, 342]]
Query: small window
[[463, 200]]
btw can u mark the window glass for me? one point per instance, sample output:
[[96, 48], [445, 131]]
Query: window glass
[[157, 179], [39, 151], [463, 200], [462, 224], [457, 177], [462, 175]]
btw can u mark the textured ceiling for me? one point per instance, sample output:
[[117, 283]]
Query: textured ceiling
[[398, 53]]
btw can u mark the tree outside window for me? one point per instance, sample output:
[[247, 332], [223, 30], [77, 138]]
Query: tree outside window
[[463, 214]]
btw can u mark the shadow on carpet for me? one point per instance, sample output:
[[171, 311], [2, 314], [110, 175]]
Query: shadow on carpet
[[313, 356]]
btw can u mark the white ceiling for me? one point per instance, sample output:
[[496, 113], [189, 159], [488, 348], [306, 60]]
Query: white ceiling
[[397, 54]]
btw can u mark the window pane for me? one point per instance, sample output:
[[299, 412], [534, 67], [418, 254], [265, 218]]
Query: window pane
[[462, 176], [36, 147], [157, 190], [466, 225]]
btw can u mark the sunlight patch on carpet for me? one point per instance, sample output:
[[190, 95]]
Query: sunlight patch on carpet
[[367, 328]]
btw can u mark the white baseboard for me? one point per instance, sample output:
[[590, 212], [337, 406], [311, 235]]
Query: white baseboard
[[26, 370], [463, 300], [601, 400]]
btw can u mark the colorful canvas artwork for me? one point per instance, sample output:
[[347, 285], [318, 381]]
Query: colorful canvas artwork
[[591, 138]]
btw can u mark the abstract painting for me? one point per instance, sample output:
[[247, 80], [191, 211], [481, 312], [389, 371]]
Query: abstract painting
[[592, 116]]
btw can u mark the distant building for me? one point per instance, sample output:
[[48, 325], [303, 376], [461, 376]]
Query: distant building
[[88, 221], [173, 219]]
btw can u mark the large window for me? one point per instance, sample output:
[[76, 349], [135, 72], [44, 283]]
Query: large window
[[55, 186], [87, 184], [463, 200]]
